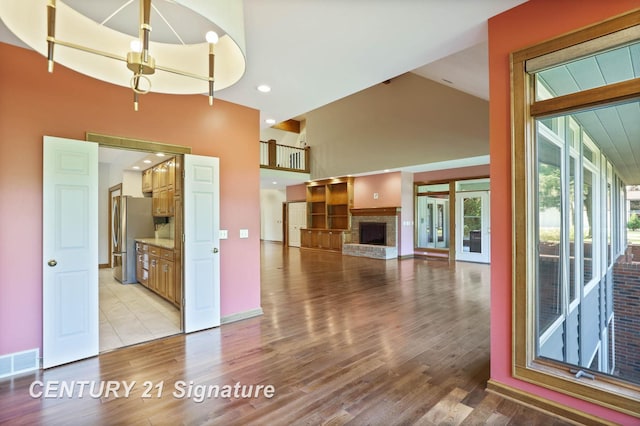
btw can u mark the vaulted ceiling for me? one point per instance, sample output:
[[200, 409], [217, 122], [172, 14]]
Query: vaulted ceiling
[[313, 52]]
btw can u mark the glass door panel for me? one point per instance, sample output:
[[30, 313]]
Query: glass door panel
[[433, 222], [473, 226]]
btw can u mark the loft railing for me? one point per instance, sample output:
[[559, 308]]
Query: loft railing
[[283, 157]]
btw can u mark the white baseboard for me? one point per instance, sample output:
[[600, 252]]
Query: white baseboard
[[241, 316]]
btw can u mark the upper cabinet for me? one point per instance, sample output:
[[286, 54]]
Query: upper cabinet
[[147, 181], [162, 187]]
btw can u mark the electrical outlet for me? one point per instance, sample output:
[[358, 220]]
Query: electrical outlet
[[244, 233], [223, 234]]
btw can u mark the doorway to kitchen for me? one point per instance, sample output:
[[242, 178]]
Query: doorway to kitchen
[[70, 241], [136, 248]]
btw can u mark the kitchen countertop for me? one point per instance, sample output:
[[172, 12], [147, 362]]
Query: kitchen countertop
[[159, 242]]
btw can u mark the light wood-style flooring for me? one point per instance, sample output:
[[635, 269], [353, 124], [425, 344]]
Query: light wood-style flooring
[[130, 314], [343, 340]]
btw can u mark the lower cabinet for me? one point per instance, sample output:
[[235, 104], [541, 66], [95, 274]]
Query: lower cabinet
[[326, 239], [142, 264], [161, 278], [153, 273]]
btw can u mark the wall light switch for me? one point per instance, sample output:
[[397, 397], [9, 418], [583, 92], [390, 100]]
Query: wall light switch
[[375, 195], [244, 233], [223, 234]]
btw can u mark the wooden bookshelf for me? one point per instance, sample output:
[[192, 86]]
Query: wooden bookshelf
[[328, 213]]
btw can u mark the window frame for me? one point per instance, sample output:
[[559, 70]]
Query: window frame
[[605, 390]]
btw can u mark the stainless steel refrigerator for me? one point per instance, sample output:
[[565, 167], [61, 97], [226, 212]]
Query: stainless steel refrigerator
[[131, 218]]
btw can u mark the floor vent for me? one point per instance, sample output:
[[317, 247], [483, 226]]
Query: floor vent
[[19, 362]]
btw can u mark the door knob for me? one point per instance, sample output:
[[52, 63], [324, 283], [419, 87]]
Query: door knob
[[214, 250], [52, 263]]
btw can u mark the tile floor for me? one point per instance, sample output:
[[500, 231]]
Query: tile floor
[[130, 314]]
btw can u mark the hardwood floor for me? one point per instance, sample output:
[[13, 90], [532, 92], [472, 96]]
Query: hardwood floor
[[343, 340]]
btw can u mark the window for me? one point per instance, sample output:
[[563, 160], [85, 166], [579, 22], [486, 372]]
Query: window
[[576, 105]]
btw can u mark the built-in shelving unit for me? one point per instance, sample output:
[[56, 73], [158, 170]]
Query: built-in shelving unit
[[328, 214]]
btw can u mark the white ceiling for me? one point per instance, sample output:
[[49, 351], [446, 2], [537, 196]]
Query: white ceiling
[[313, 52]]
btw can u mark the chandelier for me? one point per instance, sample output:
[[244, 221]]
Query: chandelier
[[190, 64]]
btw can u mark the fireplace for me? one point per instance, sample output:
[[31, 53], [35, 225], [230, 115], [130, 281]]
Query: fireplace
[[374, 233]]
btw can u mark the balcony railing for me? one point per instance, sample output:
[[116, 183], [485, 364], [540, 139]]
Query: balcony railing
[[283, 157]]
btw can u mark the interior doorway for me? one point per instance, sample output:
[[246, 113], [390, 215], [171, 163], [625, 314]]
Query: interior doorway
[[131, 312], [71, 314]]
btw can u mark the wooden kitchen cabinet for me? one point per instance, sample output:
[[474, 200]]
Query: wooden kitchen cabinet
[[153, 273], [166, 280], [164, 184], [147, 181], [142, 264], [162, 274]]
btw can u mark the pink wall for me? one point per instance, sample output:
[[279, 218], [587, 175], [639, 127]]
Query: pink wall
[[513, 30], [34, 103], [447, 174], [388, 186], [297, 192]]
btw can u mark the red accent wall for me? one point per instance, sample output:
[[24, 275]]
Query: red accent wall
[[520, 27], [34, 103]]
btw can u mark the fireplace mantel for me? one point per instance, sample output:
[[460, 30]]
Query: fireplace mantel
[[376, 211]]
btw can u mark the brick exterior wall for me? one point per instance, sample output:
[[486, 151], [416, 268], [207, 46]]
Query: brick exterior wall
[[626, 305]]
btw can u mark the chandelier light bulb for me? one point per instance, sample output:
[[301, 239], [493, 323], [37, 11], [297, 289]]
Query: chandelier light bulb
[[135, 45], [211, 37]]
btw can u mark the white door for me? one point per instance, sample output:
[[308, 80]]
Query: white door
[[69, 250], [472, 222], [201, 243], [297, 219]]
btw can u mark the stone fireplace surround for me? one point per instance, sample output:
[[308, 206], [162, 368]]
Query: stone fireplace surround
[[388, 215]]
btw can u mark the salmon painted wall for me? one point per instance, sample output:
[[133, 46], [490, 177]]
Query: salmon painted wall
[[388, 186], [297, 192], [34, 103], [510, 31]]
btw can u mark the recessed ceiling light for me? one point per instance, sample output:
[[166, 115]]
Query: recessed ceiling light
[[264, 88], [147, 161], [274, 182], [159, 154], [270, 121], [136, 167]]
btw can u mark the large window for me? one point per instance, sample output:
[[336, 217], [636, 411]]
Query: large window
[[576, 145]]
